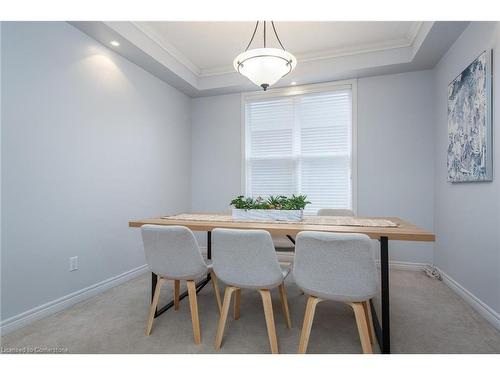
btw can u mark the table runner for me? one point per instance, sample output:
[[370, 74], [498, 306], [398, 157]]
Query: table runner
[[352, 221]]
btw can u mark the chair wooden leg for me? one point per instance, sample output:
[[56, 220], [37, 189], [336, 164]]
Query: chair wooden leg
[[284, 305], [223, 316], [236, 304], [362, 324], [193, 304], [215, 285], [307, 325], [177, 286], [268, 311], [368, 314], [154, 303]]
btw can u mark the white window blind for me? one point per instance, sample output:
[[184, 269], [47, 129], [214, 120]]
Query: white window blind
[[301, 144]]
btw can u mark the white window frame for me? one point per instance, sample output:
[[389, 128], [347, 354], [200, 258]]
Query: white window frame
[[300, 90]]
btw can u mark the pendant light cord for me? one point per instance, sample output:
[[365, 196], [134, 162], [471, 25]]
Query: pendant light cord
[[253, 36], [255, 31], [277, 37], [264, 34]]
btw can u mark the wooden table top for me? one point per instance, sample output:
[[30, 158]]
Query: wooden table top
[[405, 231]]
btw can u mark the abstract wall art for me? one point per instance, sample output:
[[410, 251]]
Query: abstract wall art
[[470, 123]]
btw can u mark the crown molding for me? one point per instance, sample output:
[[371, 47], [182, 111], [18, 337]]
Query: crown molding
[[407, 42], [167, 47], [419, 36], [325, 55], [422, 46], [414, 30]]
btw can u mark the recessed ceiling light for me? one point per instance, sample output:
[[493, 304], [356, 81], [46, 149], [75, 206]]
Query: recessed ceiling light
[[114, 43], [293, 83]]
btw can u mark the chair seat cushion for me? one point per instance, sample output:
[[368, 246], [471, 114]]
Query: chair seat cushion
[[257, 284], [337, 297], [285, 270]]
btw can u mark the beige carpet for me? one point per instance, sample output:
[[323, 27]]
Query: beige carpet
[[427, 317]]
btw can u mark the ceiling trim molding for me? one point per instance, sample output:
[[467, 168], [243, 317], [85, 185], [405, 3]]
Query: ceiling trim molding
[[147, 51], [167, 47], [414, 30], [407, 42], [325, 55], [420, 36]]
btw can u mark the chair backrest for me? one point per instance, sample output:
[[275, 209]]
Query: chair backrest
[[336, 266], [335, 212], [245, 258], [172, 252]]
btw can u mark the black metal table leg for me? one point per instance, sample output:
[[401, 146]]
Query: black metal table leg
[[199, 285], [209, 245], [154, 280], [209, 250], [383, 332]]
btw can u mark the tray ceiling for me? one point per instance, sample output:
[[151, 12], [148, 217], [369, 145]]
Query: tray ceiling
[[210, 47], [196, 57]]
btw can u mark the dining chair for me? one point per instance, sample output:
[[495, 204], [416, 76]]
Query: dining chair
[[172, 253], [336, 267], [245, 259]]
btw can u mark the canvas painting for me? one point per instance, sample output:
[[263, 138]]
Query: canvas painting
[[469, 123]]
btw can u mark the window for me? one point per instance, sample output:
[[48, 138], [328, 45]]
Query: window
[[301, 143]]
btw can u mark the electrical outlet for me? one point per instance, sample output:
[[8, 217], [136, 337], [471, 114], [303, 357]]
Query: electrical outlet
[[73, 263]]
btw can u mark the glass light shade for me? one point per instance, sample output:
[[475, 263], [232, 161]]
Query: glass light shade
[[265, 66]]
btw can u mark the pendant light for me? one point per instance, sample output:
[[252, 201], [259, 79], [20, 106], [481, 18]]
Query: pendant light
[[264, 66]]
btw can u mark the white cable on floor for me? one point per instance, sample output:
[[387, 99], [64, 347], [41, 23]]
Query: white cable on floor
[[433, 272]]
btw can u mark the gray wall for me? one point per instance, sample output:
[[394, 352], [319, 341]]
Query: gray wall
[[216, 152], [467, 218], [89, 141], [395, 153]]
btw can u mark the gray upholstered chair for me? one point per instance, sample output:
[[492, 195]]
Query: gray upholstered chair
[[172, 253], [337, 267], [246, 259], [335, 212]]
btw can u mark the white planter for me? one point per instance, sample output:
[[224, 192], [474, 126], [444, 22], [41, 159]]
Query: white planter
[[267, 215]]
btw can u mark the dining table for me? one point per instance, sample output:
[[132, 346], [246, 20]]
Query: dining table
[[383, 229]]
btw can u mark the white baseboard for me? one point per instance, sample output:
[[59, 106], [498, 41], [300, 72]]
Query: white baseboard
[[482, 308], [62, 303], [49, 308], [406, 266]]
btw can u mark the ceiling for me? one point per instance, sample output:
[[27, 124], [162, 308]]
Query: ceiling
[[196, 57], [210, 47]]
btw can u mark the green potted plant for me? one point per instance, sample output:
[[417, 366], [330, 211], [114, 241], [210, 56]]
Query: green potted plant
[[279, 208]]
